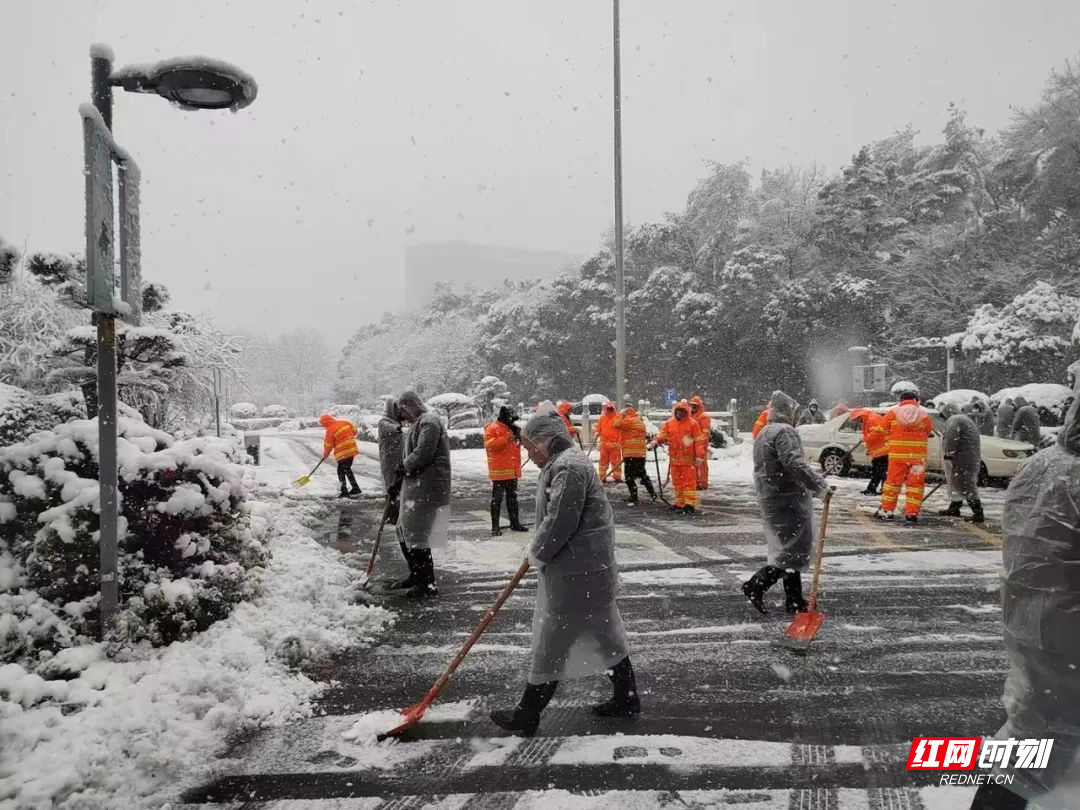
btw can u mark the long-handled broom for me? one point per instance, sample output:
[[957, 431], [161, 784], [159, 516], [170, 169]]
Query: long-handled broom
[[659, 480], [414, 714], [801, 631]]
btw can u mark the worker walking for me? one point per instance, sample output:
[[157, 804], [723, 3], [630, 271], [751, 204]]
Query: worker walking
[[961, 447], [609, 437], [502, 443], [563, 409], [682, 435], [340, 439], [697, 412], [875, 437], [909, 427], [634, 439]]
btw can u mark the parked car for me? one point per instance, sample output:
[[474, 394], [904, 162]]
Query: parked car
[[837, 446]]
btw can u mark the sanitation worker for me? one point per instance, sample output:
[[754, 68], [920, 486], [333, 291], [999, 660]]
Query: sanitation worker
[[577, 629], [961, 447], [634, 440], [909, 426], [682, 435], [786, 486], [340, 439], [564, 408], [697, 412], [502, 443], [609, 437], [875, 438]]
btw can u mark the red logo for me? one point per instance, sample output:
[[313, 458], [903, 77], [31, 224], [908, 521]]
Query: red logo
[[943, 753]]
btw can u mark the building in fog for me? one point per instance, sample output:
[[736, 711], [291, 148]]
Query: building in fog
[[481, 266]]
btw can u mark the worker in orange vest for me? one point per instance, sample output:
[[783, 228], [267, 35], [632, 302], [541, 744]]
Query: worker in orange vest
[[340, 439], [564, 409], [909, 427], [876, 438], [682, 435], [634, 439], [761, 422], [609, 437], [697, 412], [502, 443]]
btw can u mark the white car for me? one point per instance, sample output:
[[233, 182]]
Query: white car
[[837, 446]]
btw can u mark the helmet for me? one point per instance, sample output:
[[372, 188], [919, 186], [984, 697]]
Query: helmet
[[905, 389]]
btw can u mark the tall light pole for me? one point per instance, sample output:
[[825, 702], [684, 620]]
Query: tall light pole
[[620, 275], [193, 84]]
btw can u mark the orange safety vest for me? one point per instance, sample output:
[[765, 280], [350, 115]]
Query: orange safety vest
[[683, 438], [341, 438], [874, 433], [704, 422], [761, 422], [909, 427], [634, 437], [503, 453], [608, 428]]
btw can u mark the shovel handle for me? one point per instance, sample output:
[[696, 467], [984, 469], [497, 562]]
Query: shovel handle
[[820, 552], [378, 537], [433, 693]]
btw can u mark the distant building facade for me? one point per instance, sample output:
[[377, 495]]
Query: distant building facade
[[481, 266]]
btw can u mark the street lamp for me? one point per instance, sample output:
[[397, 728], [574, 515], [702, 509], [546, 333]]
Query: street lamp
[[193, 84], [620, 275]]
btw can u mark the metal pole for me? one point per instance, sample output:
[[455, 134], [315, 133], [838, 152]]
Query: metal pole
[[948, 368], [620, 277], [217, 400], [101, 71]]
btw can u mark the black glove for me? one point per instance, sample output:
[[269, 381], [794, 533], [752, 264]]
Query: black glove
[[399, 473], [516, 431], [394, 489]]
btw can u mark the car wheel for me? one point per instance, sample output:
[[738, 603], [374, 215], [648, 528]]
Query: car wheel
[[835, 462], [984, 475]]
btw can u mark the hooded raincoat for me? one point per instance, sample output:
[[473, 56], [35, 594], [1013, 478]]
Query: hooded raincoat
[[1041, 614], [1025, 426], [391, 442], [425, 493], [786, 486], [1004, 422], [577, 629], [961, 445]]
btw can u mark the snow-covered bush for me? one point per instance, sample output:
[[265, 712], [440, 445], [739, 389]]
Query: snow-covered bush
[[276, 411], [185, 550], [960, 397], [244, 410], [1051, 399], [23, 413], [465, 439]]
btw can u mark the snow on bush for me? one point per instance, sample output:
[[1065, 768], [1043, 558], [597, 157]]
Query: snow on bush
[[1050, 398], [23, 413], [276, 411], [136, 732], [960, 397], [186, 544], [244, 410]]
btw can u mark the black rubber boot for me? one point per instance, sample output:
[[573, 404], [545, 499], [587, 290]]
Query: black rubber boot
[[625, 702], [344, 493], [424, 575], [524, 718], [496, 530], [755, 587], [410, 580], [977, 514], [512, 511], [793, 595], [911, 518], [952, 511]]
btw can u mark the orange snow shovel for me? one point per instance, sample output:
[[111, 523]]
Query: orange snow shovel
[[801, 631], [414, 714]]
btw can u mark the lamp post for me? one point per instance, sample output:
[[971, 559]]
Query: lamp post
[[193, 84], [620, 276]]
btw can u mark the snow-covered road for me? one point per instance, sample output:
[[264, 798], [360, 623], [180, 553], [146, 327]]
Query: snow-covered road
[[911, 646]]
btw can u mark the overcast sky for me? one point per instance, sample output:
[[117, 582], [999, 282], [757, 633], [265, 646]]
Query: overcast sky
[[383, 123]]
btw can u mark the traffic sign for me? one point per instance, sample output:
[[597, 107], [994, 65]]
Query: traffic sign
[[671, 396]]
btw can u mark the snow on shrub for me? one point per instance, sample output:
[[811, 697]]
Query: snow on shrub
[[356, 415], [960, 397], [23, 413], [185, 551], [1051, 399], [276, 411], [244, 410]]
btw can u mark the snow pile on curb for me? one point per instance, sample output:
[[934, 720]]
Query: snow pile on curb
[[135, 731]]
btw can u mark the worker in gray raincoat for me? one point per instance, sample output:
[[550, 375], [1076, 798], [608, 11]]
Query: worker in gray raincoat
[[577, 629], [1041, 613], [961, 446], [1026, 424], [1004, 424], [391, 445], [981, 415], [423, 481], [786, 486]]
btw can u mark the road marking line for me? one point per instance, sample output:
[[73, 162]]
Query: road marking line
[[979, 531], [876, 534]]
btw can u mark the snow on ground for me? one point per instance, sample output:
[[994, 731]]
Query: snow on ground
[[153, 720]]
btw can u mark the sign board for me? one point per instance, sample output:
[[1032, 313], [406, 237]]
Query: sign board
[[870, 379], [105, 293], [671, 396]]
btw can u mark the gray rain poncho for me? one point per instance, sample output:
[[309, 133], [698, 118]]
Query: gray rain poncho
[[577, 629], [1004, 424], [391, 442], [961, 445], [786, 486], [1041, 614], [1025, 426], [425, 492]]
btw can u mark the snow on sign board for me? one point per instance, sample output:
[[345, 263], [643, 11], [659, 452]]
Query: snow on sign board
[[100, 151]]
